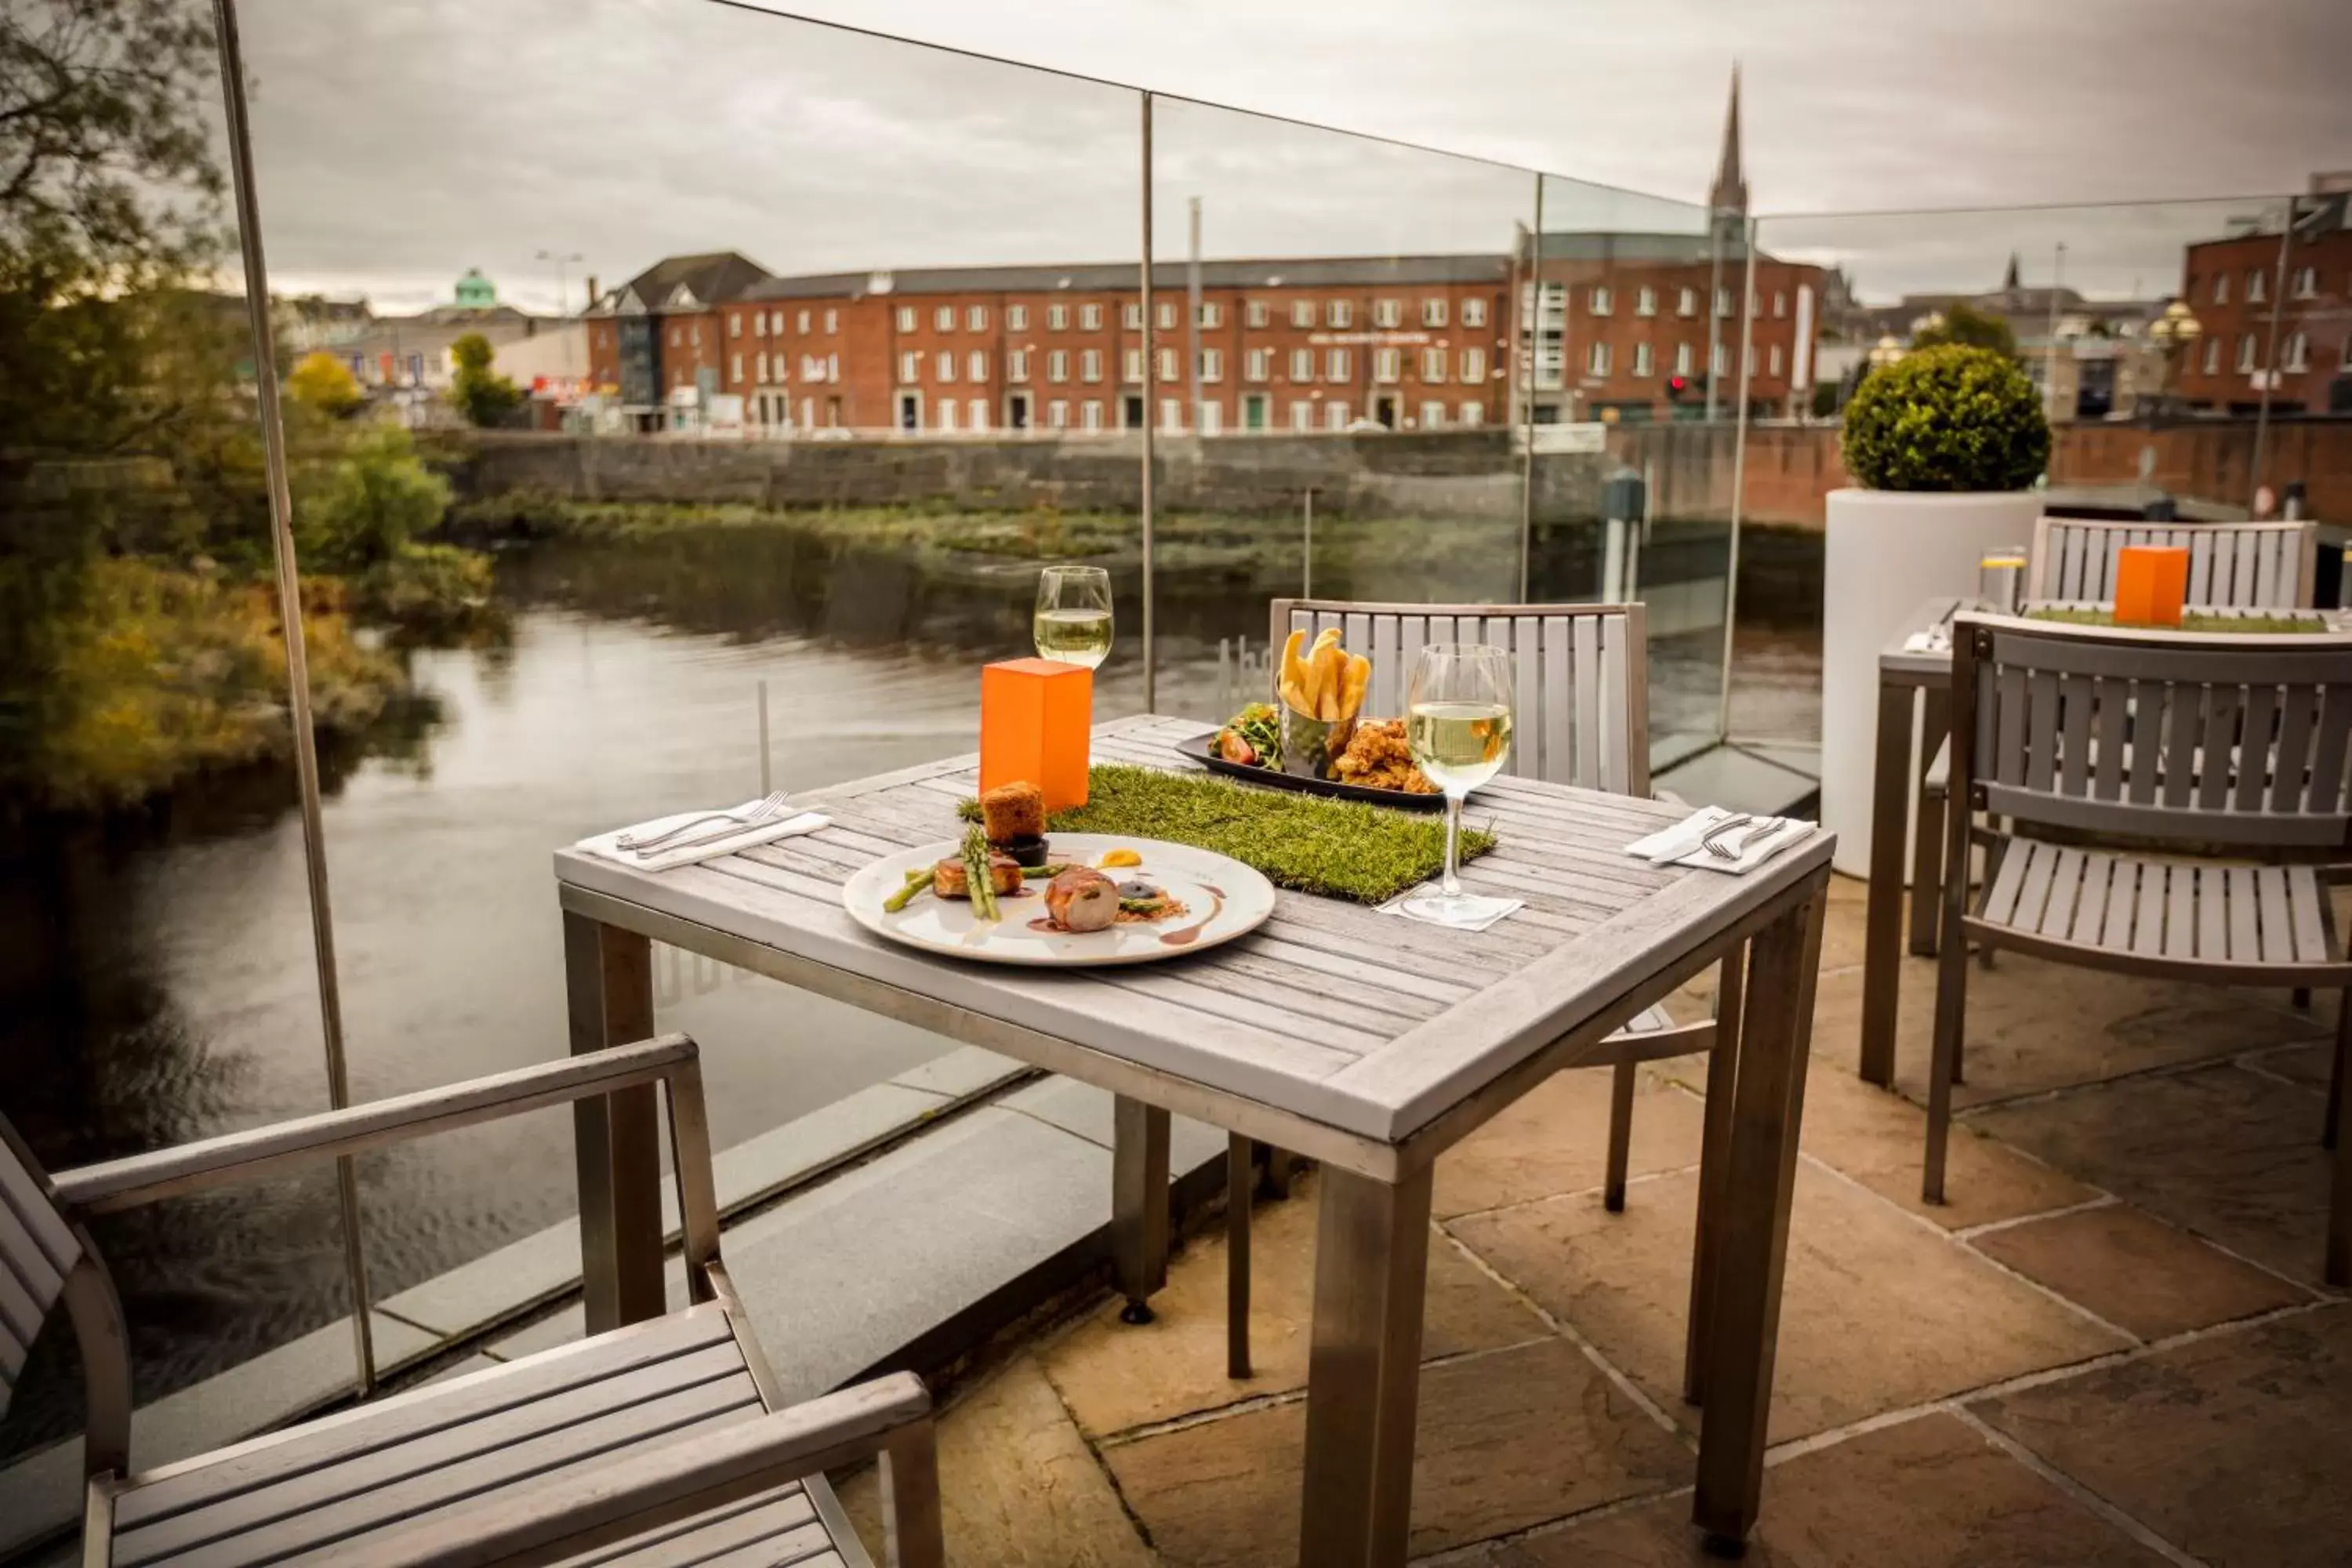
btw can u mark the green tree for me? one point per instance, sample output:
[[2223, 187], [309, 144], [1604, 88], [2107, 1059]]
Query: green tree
[[366, 503], [1964, 323], [326, 383], [481, 393]]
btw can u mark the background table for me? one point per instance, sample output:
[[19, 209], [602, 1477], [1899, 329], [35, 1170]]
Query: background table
[[1366, 1041]]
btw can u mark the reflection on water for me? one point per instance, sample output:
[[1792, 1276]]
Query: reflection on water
[[156, 978]]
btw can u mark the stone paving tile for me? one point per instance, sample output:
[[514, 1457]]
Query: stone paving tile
[[1504, 1442], [2310, 1064], [2227, 1153], [1878, 1312], [1018, 1487], [1928, 1493], [2135, 1271], [2036, 1025], [1880, 1139], [1555, 1138], [1116, 1376], [2231, 1446]]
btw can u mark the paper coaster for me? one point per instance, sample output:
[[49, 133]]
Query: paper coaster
[[1504, 909]]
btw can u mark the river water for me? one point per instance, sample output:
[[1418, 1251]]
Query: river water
[[159, 980]]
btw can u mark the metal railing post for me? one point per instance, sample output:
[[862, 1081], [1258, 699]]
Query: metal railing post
[[1738, 477], [1150, 380], [1529, 305], [298, 668]]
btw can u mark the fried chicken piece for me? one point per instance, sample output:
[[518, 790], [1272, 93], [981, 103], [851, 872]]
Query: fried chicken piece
[[1377, 758]]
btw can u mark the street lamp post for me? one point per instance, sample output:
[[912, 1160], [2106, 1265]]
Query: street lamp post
[[561, 260], [2173, 333]]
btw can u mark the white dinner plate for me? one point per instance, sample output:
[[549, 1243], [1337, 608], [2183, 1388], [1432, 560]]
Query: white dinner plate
[[1223, 898]]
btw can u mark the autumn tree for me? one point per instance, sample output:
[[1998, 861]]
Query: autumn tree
[[480, 393]]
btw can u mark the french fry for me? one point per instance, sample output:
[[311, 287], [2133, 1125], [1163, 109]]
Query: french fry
[[1351, 692]]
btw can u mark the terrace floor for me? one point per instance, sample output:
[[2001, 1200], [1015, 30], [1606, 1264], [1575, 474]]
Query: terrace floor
[[2111, 1348]]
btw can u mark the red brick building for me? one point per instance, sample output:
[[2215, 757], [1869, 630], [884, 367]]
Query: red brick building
[[2236, 286]]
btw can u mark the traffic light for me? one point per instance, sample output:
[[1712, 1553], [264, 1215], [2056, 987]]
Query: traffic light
[[1675, 386]]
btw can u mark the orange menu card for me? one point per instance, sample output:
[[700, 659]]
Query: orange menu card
[[2151, 580], [1035, 715]]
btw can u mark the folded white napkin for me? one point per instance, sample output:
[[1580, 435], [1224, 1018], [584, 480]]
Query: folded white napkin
[[1927, 642], [1758, 841], [696, 848]]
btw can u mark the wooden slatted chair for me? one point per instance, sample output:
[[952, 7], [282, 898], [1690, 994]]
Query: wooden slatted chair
[[2235, 565], [1580, 717], [2173, 745], [2231, 566], [662, 1441]]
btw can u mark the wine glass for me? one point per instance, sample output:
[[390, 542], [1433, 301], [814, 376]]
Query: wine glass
[[1457, 722], [1073, 620]]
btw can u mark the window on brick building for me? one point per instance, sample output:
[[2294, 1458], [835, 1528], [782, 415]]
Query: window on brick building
[[2249, 352], [1602, 301], [944, 365], [2257, 286], [1090, 364], [759, 323], [1340, 313], [1432, 416], [1212, 314], [1168, 366], [1433, 364], [906, 317], [734, 323], [1254, 313], [1257, 364], [1302, 415], [1722, 302], [735, 367], [1131, 315], [1473, 364], [1473, 312], [1302, 312], [2221, 287], [1167, 314], [943, 318], [1090, 318], [1016, 364], [1302, 365], [1780, 303], [800, 322], [1774, 359], [1644, 359], [1685, 301], [764, 365], [674, 337], [1172, 414], [1433, 312], [2307, 283], [1337, 366], [1682, 358], [1596, 360], [1388, 312], [975, 318], [1335, 414], [1474, 413], [1131, 365], [975, 365], [2212, 355], [1057, 364], [1057, 318], [1213, 364], [1017, 317], [1645, 300], [946, 414], [1090, 414], [2294, 354], [910, 367], [832, 322], [1057, 414], [1387, 364], [1719, 361]]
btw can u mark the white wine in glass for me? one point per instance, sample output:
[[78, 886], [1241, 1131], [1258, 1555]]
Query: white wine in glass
[[1458, 723], [1072, 624]]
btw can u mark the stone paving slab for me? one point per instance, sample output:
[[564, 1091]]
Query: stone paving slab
[[1930, 1493], [1878, 1311], [1556, 1140], [2236, 1446], [1505, 1441], [2230, 1155], [2138, 1273], [1116, 1376]]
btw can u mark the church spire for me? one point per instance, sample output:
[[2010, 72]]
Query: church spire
[[1730, 190], [2008, 283]]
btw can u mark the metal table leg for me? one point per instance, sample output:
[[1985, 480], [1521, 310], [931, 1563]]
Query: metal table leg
[[1363, 1371], [1139, 1217], [1744, 1320], [1714, 1168], [1882, 956], [609, 986]]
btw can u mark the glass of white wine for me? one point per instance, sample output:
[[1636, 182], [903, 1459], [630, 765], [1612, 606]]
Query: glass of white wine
[[1073, 619], [1457, 722]]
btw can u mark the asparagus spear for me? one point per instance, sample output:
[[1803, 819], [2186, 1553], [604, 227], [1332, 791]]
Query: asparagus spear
[[916, 883], [975, 871]]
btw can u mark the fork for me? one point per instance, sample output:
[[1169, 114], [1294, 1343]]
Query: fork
[[1732, 824], [759, 811], [1757, 833]]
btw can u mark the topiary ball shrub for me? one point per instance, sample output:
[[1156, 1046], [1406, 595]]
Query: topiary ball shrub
[[1950, 418]]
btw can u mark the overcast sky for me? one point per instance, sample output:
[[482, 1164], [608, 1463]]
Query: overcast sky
[[400, 142]]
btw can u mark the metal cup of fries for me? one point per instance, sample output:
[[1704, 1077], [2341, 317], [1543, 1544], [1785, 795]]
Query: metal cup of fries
[[1321, 691]]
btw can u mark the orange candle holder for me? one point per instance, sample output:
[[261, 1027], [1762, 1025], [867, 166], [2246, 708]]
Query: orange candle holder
[[2151, 582], [1035, 716]]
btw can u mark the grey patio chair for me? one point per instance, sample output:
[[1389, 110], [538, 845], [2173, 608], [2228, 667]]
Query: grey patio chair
[[664, 1441], [2176, 746], [1581, 718], [2231, 566]]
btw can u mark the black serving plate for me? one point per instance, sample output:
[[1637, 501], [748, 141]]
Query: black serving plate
[[1202, 749]]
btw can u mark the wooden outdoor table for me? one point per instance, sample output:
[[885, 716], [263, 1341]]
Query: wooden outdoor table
[[1368, 1042], [1915, 703]]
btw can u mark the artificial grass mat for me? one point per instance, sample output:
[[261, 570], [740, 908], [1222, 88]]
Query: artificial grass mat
[[2195, 621], [1337, 848]]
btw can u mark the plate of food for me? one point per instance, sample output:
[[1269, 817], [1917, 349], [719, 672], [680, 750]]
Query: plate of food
[[1080, 900]]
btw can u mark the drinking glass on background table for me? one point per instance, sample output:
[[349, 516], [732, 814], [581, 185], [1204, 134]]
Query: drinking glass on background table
[[1457, 722], [2001, 579], [1073, 620]]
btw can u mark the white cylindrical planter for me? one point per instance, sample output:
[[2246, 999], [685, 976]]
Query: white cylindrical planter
[[1887, 551]]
